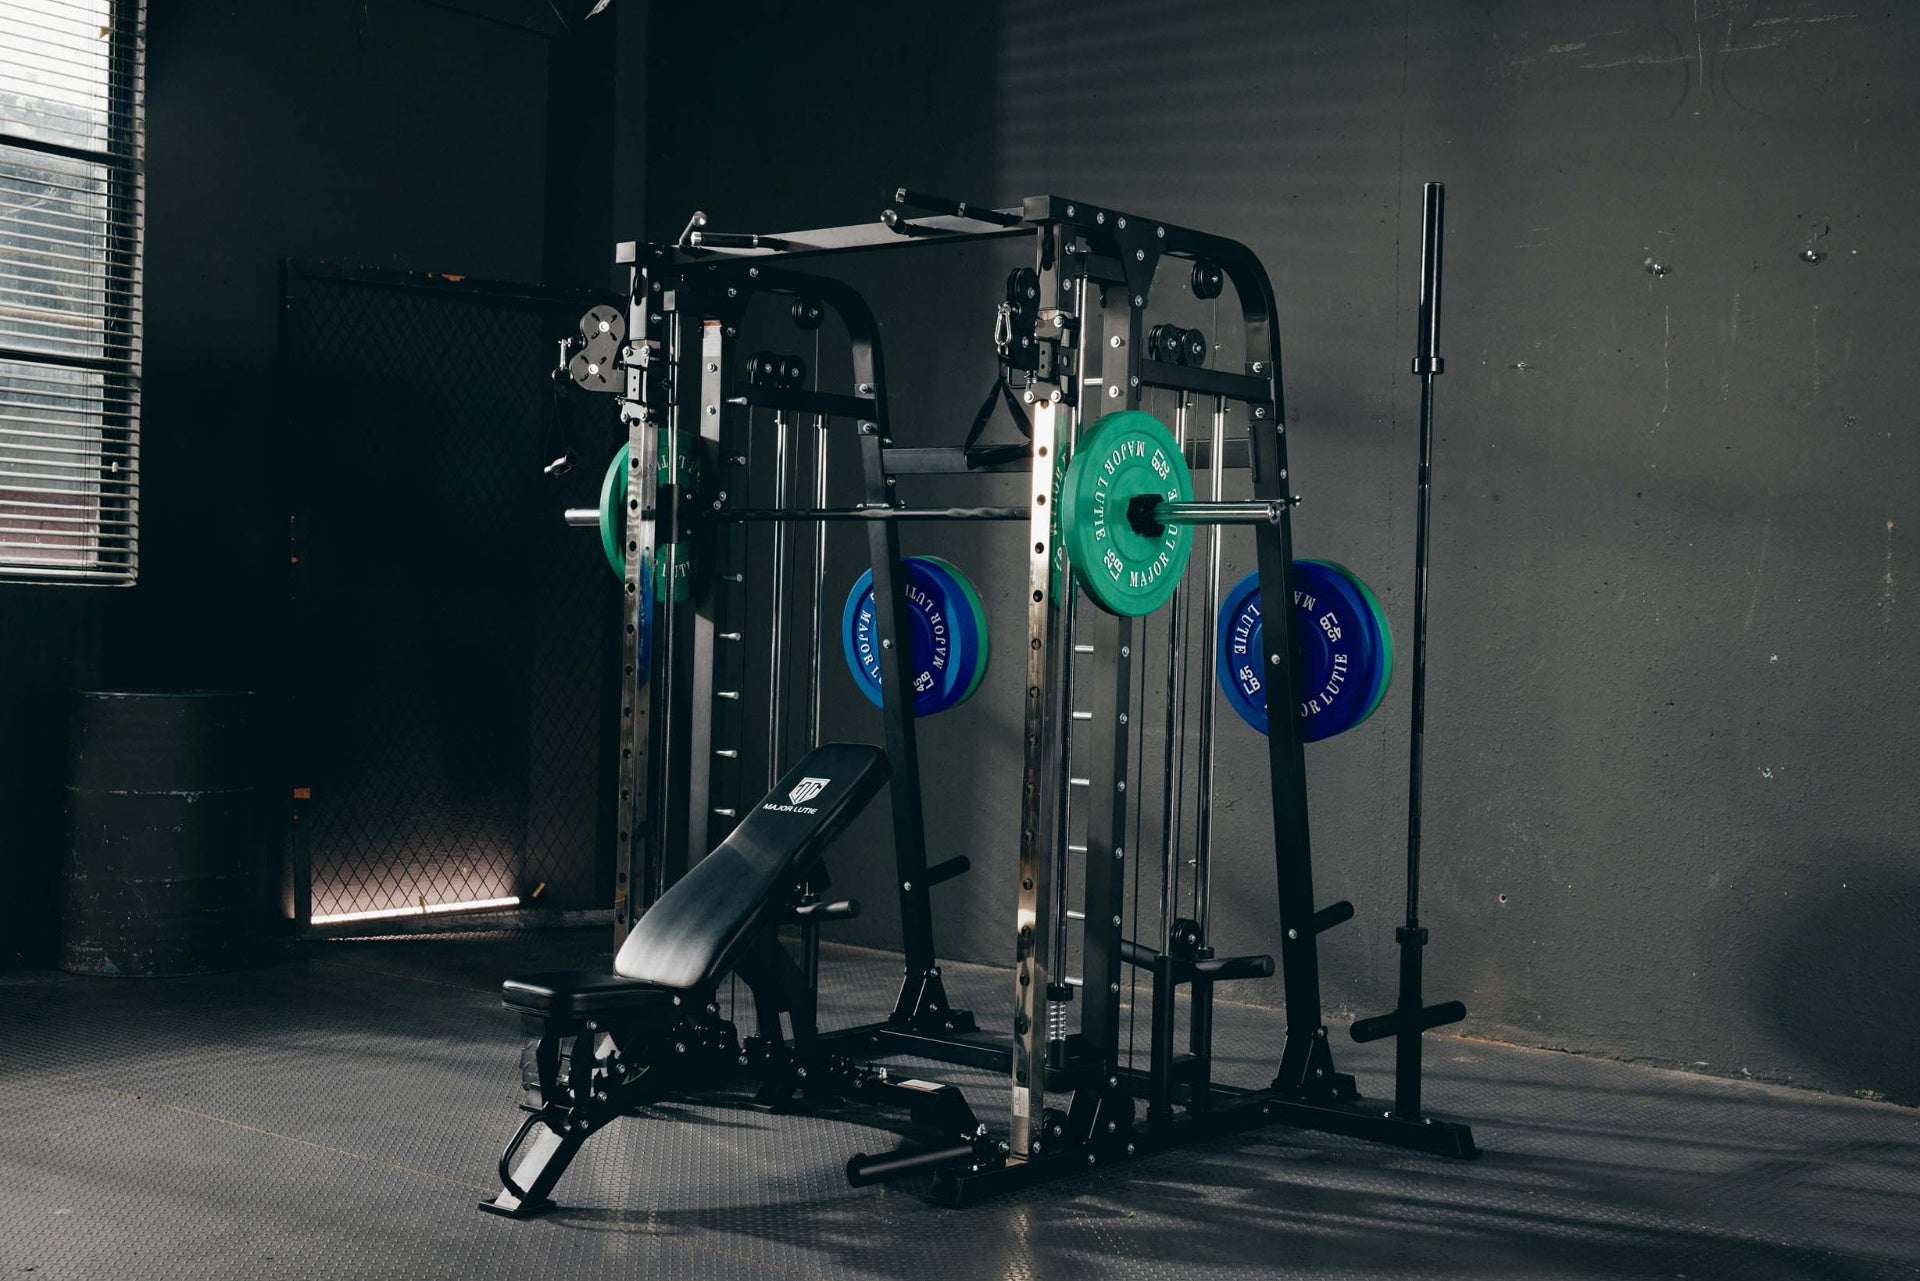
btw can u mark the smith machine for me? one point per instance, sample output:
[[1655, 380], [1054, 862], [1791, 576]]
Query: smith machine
[[1109, 511]]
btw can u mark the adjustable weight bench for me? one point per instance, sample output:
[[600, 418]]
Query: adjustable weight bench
[[609, 1043]]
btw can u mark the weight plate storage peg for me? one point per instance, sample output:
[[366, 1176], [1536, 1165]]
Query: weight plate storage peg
[[1345, 656], [1124, 461], [938, 643]]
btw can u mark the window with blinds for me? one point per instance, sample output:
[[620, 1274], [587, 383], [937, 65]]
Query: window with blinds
[[71, 201]]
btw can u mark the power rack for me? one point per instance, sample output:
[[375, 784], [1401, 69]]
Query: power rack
[[1087, 350]]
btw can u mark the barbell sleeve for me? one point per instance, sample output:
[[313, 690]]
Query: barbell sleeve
[[1247, 511], [583, 517]]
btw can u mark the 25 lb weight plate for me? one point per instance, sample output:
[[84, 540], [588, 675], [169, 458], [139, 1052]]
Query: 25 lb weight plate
[[1123, 457], [1346, 650]]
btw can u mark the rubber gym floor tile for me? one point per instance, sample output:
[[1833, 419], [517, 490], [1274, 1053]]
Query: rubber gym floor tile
[[340, 1114]]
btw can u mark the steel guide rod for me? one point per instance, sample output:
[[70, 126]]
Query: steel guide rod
[[1173, 746], [815, 652], [777, 651], [1200, 1019]]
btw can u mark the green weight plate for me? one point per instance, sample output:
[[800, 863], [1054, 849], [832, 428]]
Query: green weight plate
[[613, 501], [1121, 457], [1384, 638], [984, 649]]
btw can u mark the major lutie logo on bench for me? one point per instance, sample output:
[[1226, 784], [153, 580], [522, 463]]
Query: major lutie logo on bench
[[798, 796]]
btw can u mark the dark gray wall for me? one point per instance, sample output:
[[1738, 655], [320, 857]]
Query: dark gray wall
[[395, 134], [1671, 814]]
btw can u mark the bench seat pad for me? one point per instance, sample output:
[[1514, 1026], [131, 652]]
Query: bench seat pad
[[583, 994]]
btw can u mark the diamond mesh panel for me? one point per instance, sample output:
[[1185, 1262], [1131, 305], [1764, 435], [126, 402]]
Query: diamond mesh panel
[[456, 633]]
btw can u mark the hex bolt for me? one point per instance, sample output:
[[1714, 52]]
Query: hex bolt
[[1113, 988], [1053, 397], [1160, 233], [732, 292], [887, 643], [1134, 380], [1283, 473], [1090, 1158], [1293, 934], [907, 886], [1116, 922], [1259, 411], [1113, 393], [1126, 651], [1028, 396], [1123, 718], [1139, 255], [1275, 660], [1139, 300], [1116, 341]]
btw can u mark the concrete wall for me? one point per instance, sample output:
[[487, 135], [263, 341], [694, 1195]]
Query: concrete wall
[[1671, 814]]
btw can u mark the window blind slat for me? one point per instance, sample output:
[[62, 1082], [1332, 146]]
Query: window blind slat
[[70, 238]]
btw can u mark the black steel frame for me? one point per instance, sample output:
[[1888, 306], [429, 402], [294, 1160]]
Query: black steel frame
[[1096, 269]]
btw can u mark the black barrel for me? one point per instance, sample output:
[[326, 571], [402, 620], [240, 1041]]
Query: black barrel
[[159, 834]]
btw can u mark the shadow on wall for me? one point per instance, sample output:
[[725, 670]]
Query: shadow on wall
[[1840, 986]]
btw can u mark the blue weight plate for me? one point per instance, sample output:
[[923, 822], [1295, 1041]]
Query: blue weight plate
[[969, 628], [1341, 650], [931, 637]]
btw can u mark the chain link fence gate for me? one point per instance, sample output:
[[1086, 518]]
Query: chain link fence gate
[[454, 642]]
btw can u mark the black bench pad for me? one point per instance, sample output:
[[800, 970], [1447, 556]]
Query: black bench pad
[[583, 994], [695, 933]]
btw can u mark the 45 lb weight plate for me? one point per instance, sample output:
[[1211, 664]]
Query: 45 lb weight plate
[[1345, 658]]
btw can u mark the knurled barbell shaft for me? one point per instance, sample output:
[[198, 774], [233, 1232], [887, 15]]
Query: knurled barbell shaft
[[1253, 511]]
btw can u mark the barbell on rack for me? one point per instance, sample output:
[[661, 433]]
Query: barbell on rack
[[1125, 515], [1127, 512]]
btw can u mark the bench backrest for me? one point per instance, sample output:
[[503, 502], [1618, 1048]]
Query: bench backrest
[[693, 934]]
